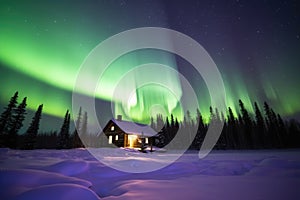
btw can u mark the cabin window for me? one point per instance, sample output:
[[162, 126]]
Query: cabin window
[[112, 128], [116, 137], [146, 140], [110, 139]]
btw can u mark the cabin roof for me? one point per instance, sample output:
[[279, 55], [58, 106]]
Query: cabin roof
[[134, 128]]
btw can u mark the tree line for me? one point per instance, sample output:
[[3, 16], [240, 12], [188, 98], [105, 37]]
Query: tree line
[[264, 130], [11, 121]]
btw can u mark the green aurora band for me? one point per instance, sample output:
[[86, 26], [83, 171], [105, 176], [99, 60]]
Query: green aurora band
[[41, 56]]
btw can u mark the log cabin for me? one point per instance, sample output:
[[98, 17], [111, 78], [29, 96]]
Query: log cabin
[[128, 134]]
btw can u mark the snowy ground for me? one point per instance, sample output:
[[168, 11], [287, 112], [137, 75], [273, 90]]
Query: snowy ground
[[75, 174]]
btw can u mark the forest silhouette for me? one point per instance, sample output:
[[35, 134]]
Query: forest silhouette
[[265, 129]]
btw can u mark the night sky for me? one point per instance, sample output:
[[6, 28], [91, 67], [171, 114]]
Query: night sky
[[255, 45]]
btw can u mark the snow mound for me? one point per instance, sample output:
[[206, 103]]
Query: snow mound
[[58, 192], [17, 181], [69, 167], [277, 167]]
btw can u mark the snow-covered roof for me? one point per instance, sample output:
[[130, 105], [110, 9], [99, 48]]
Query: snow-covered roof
[[134, 128]]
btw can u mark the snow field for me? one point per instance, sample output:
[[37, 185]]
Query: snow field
[[76, 174]]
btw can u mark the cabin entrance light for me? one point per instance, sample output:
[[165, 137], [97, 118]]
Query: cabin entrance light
[[132, 139]]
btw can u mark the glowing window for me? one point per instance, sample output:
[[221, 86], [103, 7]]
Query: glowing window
[[116, 137], [112, 128], [110, 139], [146, 140]]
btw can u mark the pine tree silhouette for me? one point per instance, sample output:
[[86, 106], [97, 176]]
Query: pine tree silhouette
[[282, 131], [6, 118], [152, 123], [84, 132], [16, 123], [159, 122], [167, 122], [159, 139], [247, 126], [167, 131], [233, 136], [172, 121], [272, 124], [84, 124], [222, 141], [76, 138], [32, 131], [212, 114], [277, 134], [260, 129], [176, 123], [63, 137], [200, 131], [189, 125]]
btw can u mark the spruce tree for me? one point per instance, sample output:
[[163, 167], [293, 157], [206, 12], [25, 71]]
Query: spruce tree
[[16, 123], [176, 123], [277, 134], [222, 140], [84, 123], [217, 114], [260, 129], [6, 119], [160, 139], [189, 119], [172, 121], [197, 140], [63, 137], [84, 131], [201, 132], [198, 116], [167, 122], [273, 126], [152, 123], [166, 131], [233, 135], [247, 125], [76, 138], [212, 114], [282, 130], [32, 131], [159, 122], [241, 125], [268, 113]]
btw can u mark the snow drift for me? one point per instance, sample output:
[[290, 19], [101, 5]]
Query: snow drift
[[75, 174]]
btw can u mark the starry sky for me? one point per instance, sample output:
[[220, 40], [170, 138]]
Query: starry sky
[[255, 45]]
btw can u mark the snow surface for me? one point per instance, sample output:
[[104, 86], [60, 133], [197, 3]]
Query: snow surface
[[76, 174]]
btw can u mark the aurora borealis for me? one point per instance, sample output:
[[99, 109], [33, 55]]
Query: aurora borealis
[[255, 46]]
